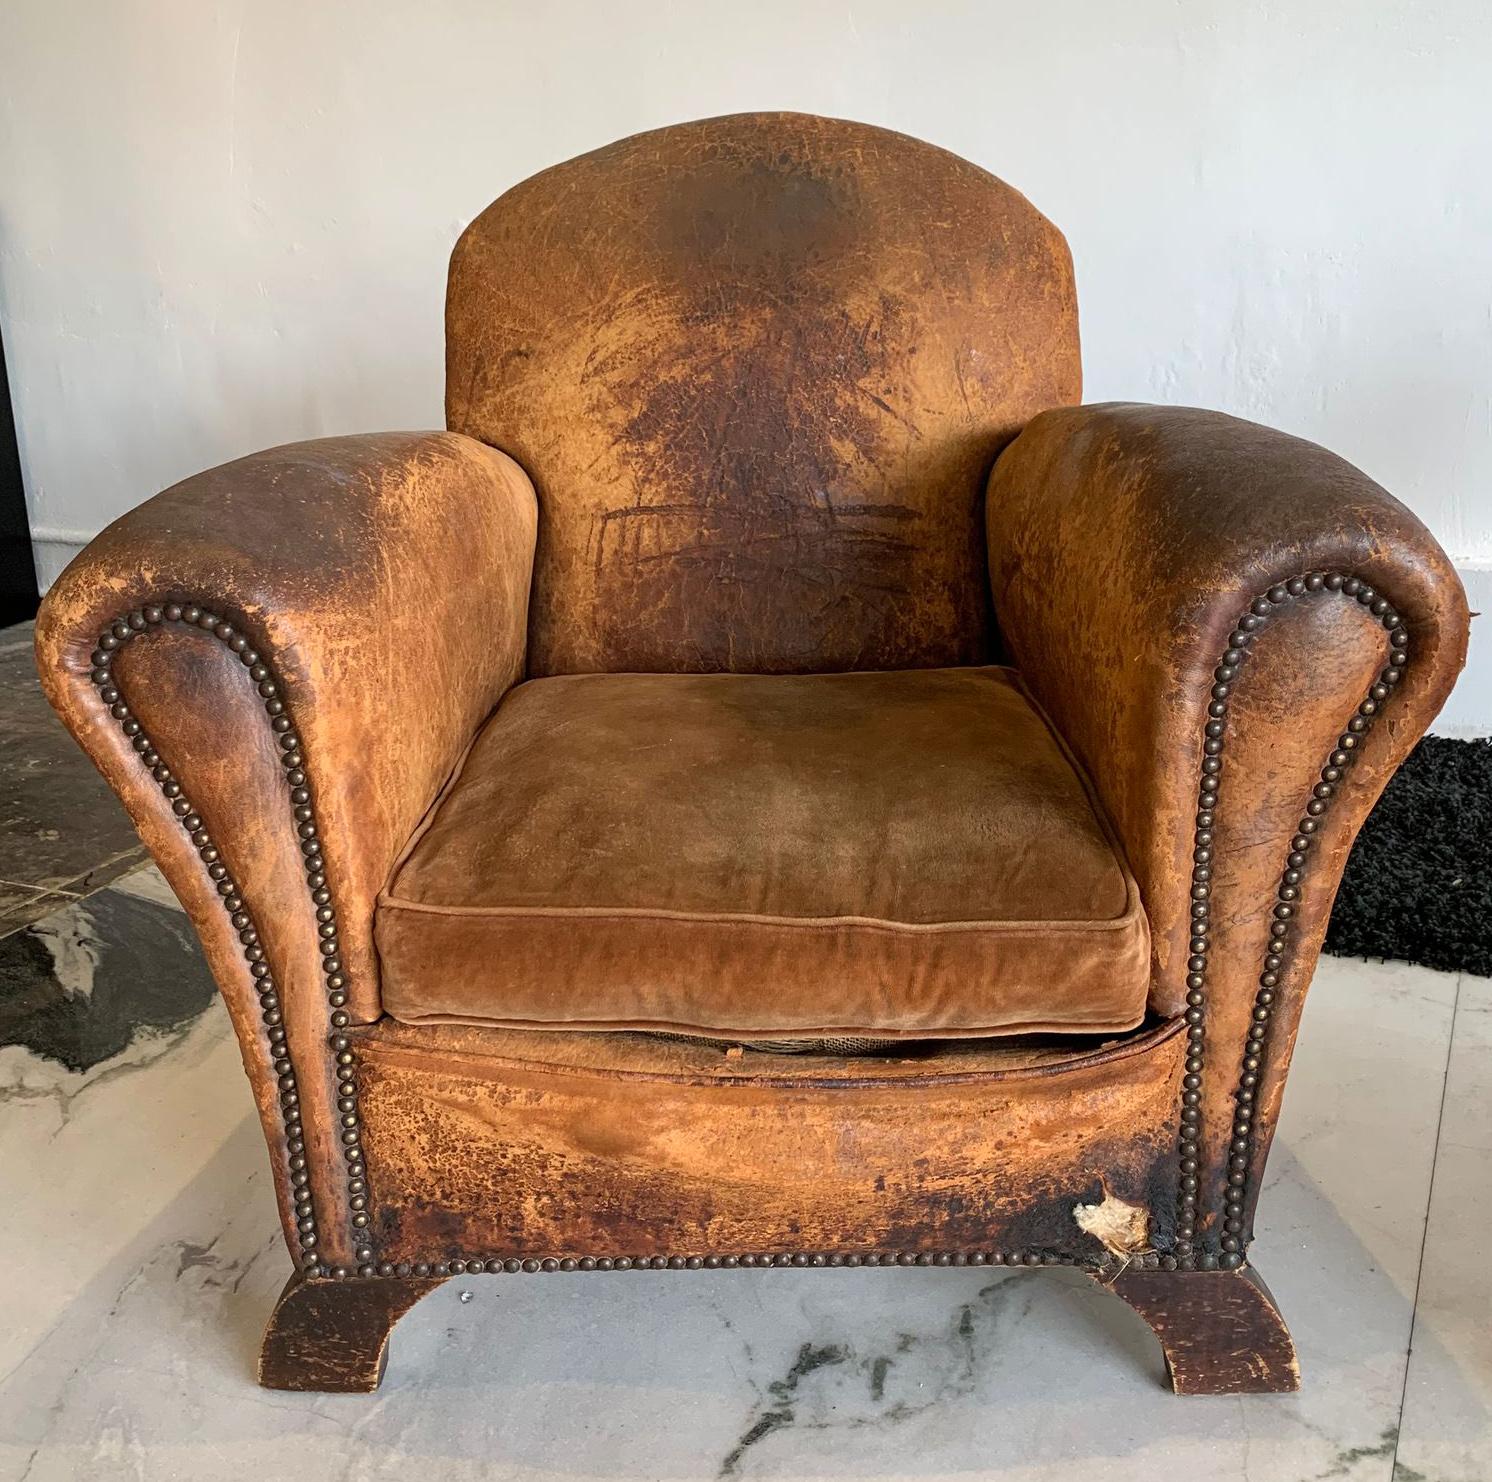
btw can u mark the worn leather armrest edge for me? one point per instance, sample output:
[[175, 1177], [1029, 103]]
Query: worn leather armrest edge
[[275, 664], [1125, 543], [384, 580]]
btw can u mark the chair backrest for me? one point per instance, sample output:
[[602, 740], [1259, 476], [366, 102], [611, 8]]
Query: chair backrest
[[758, 368]]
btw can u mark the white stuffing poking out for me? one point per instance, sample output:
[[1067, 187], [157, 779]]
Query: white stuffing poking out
[[1121, 1228]]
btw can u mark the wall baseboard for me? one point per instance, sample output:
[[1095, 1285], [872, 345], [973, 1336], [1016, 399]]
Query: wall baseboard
[[1468, 712], [52, 548]]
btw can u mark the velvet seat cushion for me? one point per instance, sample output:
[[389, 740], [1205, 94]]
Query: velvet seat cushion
[[900, 854]]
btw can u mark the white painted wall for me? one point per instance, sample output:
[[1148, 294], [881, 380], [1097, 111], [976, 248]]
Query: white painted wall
[[224, 223]]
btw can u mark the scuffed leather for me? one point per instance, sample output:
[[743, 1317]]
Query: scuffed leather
[[1125, 543], [499, 1142], [385, 577], [758, 368], [908, 854]]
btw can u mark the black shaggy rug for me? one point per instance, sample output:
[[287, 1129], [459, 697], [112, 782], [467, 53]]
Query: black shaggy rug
[[1418, 885]]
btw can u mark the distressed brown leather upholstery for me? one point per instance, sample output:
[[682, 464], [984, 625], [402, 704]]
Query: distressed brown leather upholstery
[[309, 555], [899, 854], [763, 455], [387, 574], [758, 368], [1124, 542]]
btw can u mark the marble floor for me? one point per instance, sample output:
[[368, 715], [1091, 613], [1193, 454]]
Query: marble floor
[[141, 1256], [62, 834]]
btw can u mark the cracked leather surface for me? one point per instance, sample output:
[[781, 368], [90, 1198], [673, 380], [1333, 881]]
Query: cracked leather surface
[[758, 368]]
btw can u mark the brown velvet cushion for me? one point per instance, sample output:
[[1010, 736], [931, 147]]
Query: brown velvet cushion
[[898, 854]]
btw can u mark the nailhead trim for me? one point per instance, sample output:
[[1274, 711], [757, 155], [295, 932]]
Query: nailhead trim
[[188, 614], [498, 1265], [292, 759], [1230, 1253], [1185, 1256]]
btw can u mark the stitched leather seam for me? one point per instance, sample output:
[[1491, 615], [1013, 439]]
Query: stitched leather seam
[[815, 1031], [743, 918], [1136, 1045]]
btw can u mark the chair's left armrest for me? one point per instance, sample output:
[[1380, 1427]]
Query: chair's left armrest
[[383, 579], [277, 664], [1241, 636]]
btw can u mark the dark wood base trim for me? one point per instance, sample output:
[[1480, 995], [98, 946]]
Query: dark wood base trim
[[333, 1336], [1221, 1332]]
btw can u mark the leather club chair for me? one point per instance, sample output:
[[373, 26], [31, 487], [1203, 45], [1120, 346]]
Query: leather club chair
[[777, 782]]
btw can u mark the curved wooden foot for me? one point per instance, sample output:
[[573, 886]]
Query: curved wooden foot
[[333, 1336], [1220, 1330]]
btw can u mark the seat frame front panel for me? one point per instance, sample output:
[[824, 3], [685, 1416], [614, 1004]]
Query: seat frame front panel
[[540, 1152]]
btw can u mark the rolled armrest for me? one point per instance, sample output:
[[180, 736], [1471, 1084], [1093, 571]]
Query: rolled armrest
[[1127, 541], [1240, 636], [277, 664]]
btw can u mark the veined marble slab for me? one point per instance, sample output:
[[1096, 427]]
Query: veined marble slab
[[1447, 1427], [65, 833]]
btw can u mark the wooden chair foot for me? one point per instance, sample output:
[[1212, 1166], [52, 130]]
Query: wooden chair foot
[[333, 1336], [1220, 1330]]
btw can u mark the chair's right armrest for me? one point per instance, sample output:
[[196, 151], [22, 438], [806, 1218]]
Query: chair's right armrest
[[276, 664], [1127, 541], [1240, 636]]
